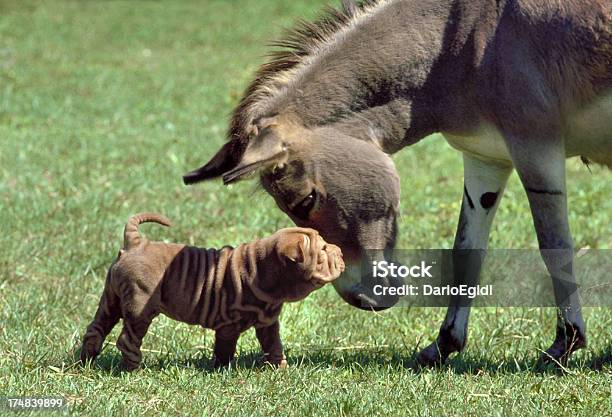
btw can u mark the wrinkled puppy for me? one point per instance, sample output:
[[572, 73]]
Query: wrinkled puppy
[[227, 290]]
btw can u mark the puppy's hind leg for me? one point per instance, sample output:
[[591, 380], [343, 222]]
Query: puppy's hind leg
[[107, 315], [138, 310]]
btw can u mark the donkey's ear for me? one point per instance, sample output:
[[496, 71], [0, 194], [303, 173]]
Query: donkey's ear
[[349, 7], [266, 150], [223, 161]]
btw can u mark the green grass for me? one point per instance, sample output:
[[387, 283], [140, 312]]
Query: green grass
[[103, 106]]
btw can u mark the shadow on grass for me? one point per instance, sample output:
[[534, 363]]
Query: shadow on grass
[[458, 364], [110, 362]]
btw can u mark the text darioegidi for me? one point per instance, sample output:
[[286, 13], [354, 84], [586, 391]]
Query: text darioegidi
[[434, 290], [384, 269]]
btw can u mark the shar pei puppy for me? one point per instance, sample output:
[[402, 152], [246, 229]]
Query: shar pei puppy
[[228, 290]]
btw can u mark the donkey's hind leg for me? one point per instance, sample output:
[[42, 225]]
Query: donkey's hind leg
[[541, 168], [484, 184], [107, 315]]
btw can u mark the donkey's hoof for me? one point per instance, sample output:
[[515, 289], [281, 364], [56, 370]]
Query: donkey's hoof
[[431, 356], [555, 356], [129, 365], [561, 350]]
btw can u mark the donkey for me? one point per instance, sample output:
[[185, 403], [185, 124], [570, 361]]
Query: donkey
[[512, 84]]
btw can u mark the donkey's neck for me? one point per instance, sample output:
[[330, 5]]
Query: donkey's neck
[[382, 77], [392, 125]]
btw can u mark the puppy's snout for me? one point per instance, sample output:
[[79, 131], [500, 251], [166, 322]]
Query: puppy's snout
[[334, 252], [318, 261], [330, 264]]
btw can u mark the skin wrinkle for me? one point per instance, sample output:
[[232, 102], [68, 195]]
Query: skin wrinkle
[[249, 284], [217, 273], [211, 274]]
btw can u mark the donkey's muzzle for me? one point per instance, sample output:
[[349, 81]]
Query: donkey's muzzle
[[358, 288], [364, 298]]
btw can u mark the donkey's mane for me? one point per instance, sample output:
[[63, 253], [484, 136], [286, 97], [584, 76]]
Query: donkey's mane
[[297, 44]]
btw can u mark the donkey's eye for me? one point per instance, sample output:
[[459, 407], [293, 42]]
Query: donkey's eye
[[303, 208], [277, 173], [279, 170]]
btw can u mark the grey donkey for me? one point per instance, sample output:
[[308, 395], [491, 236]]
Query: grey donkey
[[512, 84]]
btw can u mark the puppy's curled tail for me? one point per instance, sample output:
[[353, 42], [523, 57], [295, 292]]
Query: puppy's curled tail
[[131, 237]]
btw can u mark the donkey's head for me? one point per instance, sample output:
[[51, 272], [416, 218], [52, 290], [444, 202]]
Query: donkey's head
[[345, 188]]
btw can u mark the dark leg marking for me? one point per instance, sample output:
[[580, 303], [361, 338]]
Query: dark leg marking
[[469, 199], [463, 222], [487, 200], [549, 192]]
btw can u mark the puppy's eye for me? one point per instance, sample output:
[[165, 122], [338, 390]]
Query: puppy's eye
[[302, 209]]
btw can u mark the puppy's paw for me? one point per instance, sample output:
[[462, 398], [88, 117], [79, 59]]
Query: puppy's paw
[[282, 364], [221, 364], [275, 361], [90, 350]]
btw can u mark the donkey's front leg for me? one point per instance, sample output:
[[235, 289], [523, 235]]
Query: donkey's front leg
[[484, 184], [541, 167]]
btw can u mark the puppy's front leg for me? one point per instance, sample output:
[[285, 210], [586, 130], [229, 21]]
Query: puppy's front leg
[[269, 338], [225, 347]]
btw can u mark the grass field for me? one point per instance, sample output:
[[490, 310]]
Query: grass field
[[103, 106]]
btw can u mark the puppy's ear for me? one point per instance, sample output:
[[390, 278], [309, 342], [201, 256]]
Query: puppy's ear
[[224, 160], [293, 248]]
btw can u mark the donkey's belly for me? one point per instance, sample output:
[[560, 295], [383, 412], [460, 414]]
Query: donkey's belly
[[589, 133], [485, 142]]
